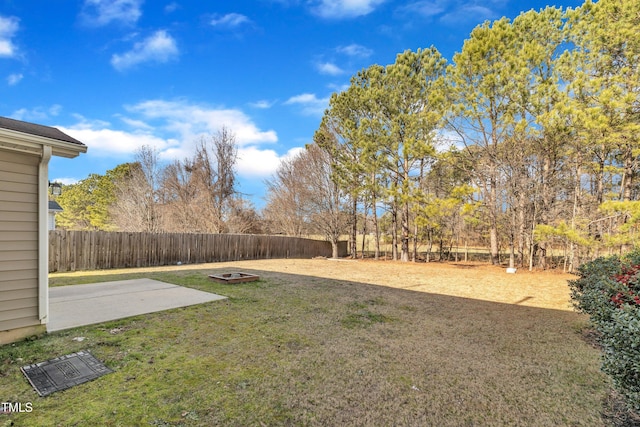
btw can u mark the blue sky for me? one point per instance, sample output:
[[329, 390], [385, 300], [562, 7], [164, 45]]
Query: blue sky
[[119, 74]]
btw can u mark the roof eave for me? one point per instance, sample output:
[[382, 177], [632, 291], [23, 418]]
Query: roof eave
[[19, 141]]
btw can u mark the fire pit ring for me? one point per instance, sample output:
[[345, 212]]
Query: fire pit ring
[[235, 277]]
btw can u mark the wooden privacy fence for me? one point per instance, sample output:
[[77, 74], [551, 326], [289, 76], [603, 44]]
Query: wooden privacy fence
[[97, 250]]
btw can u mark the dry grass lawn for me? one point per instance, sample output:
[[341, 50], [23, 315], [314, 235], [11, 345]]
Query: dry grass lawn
[[484, 282], [542, 289], [332, 343]]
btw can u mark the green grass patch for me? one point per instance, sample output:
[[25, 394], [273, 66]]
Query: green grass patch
[[363, 318], [295, 350]]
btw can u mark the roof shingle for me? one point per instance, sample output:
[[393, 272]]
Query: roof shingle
[[55, 206], [38, 130]]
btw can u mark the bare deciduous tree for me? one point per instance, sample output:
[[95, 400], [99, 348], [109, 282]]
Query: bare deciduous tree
[[136, 206], [303, 193], [199, 193], [284, 210], [243, 218]]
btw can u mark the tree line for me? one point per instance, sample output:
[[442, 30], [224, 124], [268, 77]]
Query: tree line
[[194, 195], [525, 143]]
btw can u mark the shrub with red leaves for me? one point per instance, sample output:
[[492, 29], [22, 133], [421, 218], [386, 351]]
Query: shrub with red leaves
[[608, 290], [629, 278]]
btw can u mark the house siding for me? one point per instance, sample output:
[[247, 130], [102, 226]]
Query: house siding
[[18, 240]]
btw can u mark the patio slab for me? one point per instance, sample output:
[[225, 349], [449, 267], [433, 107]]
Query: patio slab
[[80, 305]]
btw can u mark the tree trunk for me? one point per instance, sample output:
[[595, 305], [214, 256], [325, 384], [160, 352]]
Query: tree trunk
[[532, 236], [415, 242], [493, 221], [466, 249], [600, 178], [354, 228], [364, 230], [522, 227], [512, 253], [405, 232], [405, 211], [374, 208], [394, 232], [574, 212], [625, 187], [376, 231]]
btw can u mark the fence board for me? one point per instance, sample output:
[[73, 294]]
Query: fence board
[[99, 250]]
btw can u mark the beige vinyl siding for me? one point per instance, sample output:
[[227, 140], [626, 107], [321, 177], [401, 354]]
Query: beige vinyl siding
[[18, 240]]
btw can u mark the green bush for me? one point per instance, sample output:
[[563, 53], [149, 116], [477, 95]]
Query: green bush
[[621, 353], [608, 290]]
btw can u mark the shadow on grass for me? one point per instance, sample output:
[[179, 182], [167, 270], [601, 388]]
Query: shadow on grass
[[293, 349]]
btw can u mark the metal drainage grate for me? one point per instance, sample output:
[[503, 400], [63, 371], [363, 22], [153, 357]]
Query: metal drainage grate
[[64, 372]]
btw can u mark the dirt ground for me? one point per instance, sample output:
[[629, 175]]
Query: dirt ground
[[541, 289]]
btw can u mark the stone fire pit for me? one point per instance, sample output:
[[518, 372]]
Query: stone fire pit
[[234, 277]]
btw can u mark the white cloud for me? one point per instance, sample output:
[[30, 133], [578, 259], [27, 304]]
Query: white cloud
[[14, 79], [355, 50], [137, 124], [342, 9], [55, 109], [329, 68], [6, 48], [174, 128], [171, 7], [158, 48], [311, 104], [469, 13], [262, 104], [427, 8], [38, 114], [103, 12], [104, 142], [230, 20], [453, 12], [65, 180], [447, 139], [84, 123], [338, 87], [191, 121], [8, 27], [254, 162]]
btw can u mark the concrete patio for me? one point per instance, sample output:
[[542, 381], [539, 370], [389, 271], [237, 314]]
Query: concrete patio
[[80, 305]]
